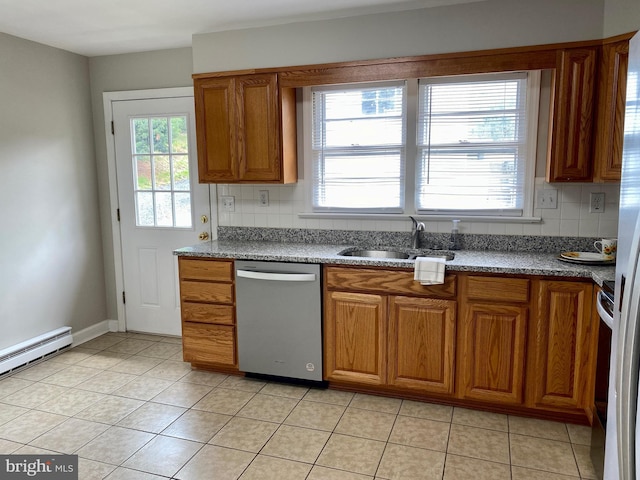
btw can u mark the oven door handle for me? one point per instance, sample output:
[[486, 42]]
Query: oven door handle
[[604, 315]]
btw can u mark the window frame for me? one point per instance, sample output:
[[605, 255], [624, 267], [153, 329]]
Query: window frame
[[310, 155], [411, 159], [532, 102]]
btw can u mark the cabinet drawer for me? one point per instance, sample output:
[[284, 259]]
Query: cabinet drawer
[[209, 343], [192, 269], [206, 292], [207, 313], [386, 281], [498, 289]]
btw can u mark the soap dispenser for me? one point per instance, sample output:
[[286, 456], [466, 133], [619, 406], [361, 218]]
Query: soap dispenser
[[454, 240]]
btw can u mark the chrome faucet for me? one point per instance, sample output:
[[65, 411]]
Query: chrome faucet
[[415, 232]]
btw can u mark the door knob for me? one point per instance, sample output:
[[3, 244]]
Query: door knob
[[204, 219], [204, 236]]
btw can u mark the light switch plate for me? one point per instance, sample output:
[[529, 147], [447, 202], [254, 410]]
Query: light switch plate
[[547, 198], [228, 203]]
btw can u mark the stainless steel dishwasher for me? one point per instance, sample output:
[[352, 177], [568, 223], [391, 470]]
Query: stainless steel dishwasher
[[279, 320]]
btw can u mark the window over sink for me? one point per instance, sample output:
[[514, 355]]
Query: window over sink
[[462, 145]]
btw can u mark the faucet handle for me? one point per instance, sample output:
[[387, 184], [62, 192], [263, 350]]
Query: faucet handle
[[419, 226]]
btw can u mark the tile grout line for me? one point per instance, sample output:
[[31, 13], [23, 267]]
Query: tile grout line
[[181, 380]]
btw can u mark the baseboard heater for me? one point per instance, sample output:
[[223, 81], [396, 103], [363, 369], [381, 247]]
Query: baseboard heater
[[34, 349]]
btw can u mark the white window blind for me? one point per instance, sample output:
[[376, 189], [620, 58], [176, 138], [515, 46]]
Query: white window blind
[[358, 147], [472, 144], [632, 118]]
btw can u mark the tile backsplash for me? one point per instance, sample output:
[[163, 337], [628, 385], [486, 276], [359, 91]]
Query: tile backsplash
[[571, 218]]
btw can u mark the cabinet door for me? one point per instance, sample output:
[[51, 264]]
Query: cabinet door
[[563, 336], [258, 128], [355, 332], [612, 94], [492, 353], [421, 344], [571, 129], [215, 129]]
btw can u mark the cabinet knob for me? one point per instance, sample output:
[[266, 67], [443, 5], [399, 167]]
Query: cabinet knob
[[204, 236]]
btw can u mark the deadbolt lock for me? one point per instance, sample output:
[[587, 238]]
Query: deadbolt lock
[[204, 219], [204, 236]]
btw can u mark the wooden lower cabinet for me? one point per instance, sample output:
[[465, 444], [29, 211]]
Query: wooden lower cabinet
[[493, 338], [564, 346], [209, 344], [355, 337], [399, 341], [493, 346], [421, 344], [516, 343], [207, 307]]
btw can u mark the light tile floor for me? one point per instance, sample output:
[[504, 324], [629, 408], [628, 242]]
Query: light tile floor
[[130, 408]]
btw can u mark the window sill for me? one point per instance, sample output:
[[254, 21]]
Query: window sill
[[404, 217]]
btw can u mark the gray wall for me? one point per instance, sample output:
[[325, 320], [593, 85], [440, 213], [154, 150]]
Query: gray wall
[[135, 71], [474, 26], [621, 16], [51, 271]]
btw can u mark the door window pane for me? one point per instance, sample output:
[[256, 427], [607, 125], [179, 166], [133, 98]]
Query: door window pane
[[160, 135], [162, 183], [144, 207], [143, 172], [181, 172], [141, 139], [179, 138], [162, 172], [164, 209], [182, 206]]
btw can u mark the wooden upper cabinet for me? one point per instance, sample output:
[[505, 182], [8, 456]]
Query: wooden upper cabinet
[[562, 342], [215, 130], [571, 125], [612, 89], [246, 129], [422, 344]]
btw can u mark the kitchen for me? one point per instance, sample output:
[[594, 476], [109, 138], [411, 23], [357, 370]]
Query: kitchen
[[81, 306]]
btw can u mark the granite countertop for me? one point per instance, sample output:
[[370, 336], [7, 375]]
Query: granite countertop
[[524, 263]]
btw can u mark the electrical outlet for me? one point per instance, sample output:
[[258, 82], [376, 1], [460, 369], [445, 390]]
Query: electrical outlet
[[596, 204], [228, 203], [547, 198], [264, 198]]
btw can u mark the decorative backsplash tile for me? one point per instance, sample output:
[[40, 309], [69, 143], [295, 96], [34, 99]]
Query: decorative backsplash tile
[[571, 218]]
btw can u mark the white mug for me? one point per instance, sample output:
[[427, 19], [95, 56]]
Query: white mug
[[607, 246]]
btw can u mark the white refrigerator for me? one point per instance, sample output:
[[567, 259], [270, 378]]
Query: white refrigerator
[[622, 449]]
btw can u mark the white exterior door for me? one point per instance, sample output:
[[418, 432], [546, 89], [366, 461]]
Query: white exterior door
[[161, 204]]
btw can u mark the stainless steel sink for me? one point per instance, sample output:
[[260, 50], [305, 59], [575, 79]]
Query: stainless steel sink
[[375, 254], [408, 254]]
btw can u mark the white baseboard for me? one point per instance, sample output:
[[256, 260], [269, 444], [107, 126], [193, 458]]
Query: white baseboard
[[94, 331]]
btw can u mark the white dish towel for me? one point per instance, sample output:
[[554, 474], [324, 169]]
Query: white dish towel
[[429, 270]]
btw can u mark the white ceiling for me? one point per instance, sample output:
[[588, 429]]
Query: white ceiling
[[105, 27]]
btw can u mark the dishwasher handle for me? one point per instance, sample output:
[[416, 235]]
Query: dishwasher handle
[[280, 277]]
